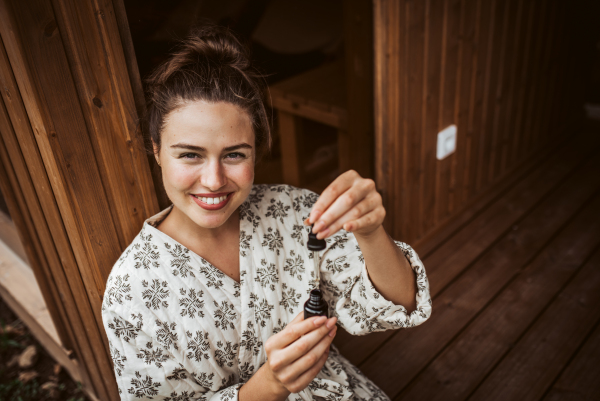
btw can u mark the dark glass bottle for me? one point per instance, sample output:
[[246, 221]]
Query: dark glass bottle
[[316, 305]]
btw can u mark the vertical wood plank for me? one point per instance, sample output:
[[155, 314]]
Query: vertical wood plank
[[494, 70], [40, 202], [434, 15], [464, 93], [481, 91], [78, 125], [518, 49], [416, 17], [501, 95], [358, 45], [532, 83], [450, 93], [478, 63]]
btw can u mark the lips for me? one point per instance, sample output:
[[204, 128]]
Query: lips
[[213, 201]]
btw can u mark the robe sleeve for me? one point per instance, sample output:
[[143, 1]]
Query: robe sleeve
[[346, 285], [351, 296], [147, 365]]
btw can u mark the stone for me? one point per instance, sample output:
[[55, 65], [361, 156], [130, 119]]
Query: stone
[[29, 357], [51, 388], [27, 375], [14, 361], [56, 369]]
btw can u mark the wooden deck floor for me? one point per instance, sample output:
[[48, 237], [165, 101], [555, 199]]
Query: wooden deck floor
[[516, 297]]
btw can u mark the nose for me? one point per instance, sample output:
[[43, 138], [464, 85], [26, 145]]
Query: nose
[[213, 176]]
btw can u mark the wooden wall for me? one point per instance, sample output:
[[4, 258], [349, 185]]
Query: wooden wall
[[502, 71], [73, 165]]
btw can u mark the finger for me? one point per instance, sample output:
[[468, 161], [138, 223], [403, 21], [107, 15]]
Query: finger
[[301, 347], [372, 219], [299, 317], [360, 209], [331, 193], [305, 362], [294, 330], [344, 203], [304, 379]]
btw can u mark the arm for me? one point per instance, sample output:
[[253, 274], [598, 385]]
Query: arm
[[388, 268]]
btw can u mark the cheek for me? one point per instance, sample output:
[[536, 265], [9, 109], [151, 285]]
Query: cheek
[[179, 177], [242, 174]]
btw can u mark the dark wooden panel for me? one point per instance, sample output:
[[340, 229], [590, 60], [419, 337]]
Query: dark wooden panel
[[358, 141], [490, 67], [579, 381], [535, 361], [472, 355]]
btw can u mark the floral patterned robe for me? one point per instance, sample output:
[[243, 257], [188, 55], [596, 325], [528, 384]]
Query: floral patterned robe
[[180, 329]]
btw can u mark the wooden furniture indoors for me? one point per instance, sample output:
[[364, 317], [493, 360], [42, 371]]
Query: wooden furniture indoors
[[317, 95]]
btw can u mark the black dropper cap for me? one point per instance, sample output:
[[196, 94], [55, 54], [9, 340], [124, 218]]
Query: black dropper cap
[[315, 306], [315, 244]]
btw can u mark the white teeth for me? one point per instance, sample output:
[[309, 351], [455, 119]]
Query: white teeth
[[212, 201]]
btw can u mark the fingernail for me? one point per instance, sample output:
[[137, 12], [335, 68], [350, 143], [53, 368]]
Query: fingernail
[[314, 215], [318, 226], [320, 320], [323, 234], [332, 332], [331, 322]]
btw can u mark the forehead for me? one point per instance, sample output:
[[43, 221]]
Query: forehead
[[200, 121]]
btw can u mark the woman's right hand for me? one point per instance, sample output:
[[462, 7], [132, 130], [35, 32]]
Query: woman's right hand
[[297, 353]]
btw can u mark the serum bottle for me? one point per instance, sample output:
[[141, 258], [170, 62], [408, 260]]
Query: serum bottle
[[316, 305]]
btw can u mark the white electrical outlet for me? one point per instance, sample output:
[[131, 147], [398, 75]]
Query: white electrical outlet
[[446, 142]]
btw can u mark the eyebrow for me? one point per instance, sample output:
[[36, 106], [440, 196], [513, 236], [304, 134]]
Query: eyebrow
[[243, 145]]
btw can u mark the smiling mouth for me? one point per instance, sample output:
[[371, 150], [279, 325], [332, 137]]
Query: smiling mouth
[[211, 200]]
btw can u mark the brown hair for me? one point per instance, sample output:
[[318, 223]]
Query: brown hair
[[210, 65]]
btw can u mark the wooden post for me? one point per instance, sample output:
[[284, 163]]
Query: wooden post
[[70, 133]]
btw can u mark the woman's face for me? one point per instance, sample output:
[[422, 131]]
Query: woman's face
[[207, 158]]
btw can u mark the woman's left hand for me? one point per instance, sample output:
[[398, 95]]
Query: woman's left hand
[[349, 202]]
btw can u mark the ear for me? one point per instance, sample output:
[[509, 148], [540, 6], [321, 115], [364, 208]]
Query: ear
[[156, 151]]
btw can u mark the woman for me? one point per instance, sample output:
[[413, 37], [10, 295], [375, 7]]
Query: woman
[[207, 301]]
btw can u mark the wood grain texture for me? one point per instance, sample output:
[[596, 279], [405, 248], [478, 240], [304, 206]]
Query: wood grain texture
[[22, 161], [468, 358], [467, 243], [490, 67], [579, 381], [83, 171], [357, 141], [461, 301], [535, 361]]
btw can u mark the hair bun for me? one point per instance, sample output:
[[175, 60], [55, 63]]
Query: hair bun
[[208, 46], [210, 65], [218, 44]]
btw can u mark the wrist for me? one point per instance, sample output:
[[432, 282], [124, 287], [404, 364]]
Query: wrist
[[374, 235], [274, 387]]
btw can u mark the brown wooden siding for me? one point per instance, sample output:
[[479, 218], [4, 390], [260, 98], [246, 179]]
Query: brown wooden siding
[[500, 70], [77, 177]]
